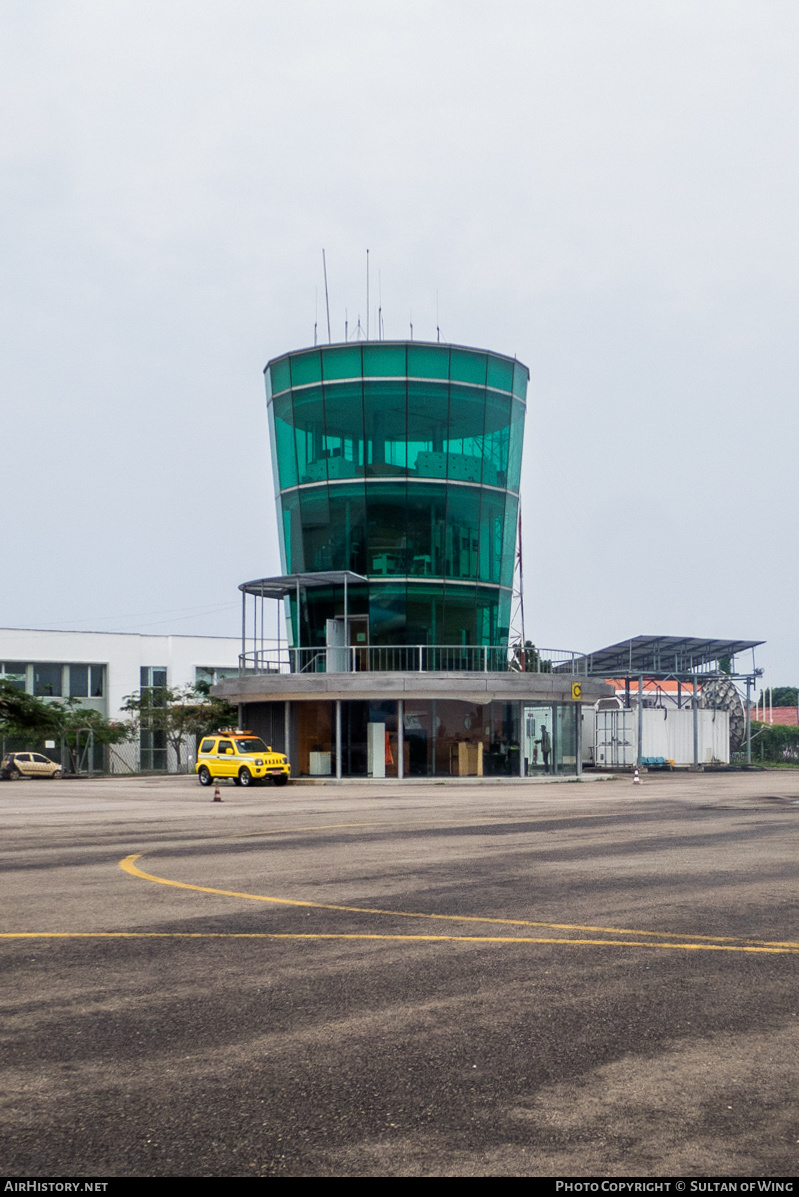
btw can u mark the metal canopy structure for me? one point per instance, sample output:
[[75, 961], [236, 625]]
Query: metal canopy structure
[[280, 588], [286, 584], [664, 656]]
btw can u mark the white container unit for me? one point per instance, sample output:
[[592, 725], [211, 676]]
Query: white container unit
[[667, 733]]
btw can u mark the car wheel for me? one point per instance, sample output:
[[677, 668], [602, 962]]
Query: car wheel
[[245, 777], [280, 780], [204, 776], [14, 775], [58, 773]]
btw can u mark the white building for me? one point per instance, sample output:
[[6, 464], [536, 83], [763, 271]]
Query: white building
[[101, 669]]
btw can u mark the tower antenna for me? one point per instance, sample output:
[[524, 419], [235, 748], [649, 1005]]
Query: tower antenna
[[367, 294], [327, 300]]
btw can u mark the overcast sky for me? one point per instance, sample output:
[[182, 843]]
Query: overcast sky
[[608, 189]]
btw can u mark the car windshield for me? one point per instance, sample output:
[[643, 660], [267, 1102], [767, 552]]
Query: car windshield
[[253, 745]]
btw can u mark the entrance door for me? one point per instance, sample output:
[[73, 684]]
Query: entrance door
[[538, 744]]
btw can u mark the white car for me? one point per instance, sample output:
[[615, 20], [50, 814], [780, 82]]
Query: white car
[[28, 764]]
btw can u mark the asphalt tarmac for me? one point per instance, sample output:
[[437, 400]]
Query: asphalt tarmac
[[572, 980]]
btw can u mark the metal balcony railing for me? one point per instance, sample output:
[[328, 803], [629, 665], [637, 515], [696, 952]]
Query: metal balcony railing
[[411, 658]]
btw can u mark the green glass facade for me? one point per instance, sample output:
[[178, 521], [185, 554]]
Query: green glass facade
[[400, 461]]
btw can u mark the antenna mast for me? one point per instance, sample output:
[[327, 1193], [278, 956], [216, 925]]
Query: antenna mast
[[367, 294], [327, 300]]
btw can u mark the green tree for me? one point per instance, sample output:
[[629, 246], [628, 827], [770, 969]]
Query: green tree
[[776, 743], [23, 715], [78, 726], [782, 696], [179, 713]]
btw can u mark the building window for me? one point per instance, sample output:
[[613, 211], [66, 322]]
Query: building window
[[212, 675], [152, 677], [86, 681], [152, 738], [47, 681], [14, 673]]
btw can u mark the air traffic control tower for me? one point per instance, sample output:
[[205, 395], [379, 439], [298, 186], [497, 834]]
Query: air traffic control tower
[[400, 462], [397, 469]]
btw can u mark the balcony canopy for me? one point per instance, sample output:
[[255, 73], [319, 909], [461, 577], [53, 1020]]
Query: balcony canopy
[[285, 584]]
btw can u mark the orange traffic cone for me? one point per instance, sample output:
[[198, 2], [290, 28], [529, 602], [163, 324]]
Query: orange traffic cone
[[217, 795]]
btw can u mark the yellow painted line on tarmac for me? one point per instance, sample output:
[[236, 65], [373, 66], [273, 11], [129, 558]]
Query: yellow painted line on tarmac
[[128, 864], [484, 939]]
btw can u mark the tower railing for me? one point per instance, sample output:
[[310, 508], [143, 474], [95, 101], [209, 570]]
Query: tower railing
[[412, 658]]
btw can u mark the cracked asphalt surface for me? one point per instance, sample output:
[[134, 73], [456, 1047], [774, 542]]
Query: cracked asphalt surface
[[609, 986]]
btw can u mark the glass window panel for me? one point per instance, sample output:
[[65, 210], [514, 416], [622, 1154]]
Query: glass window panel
[[14, 673], [500, 373], [309, 426], [387, 539], [284, 436], [502, 758], [343, 436], [419, 736], [316, 738], [426, 530], [384, 418], [425, 612], [466, 423], [462, 532], [341, 362], [387, 614], [520, 376], [515, 446], [428, 415], [281, 375], [346, 535], [316, 530], [292, 545], [496, 439], [486, 611], [457, 724], [47, 681], [384, 361], [467, 367], [503, 617], [270, 413], [97, 681], [79, 681], [305, 368], [458, 625], [428, 361], [509, 541], [492, 530]]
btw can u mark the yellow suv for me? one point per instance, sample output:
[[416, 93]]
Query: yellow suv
[[242, 756]]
